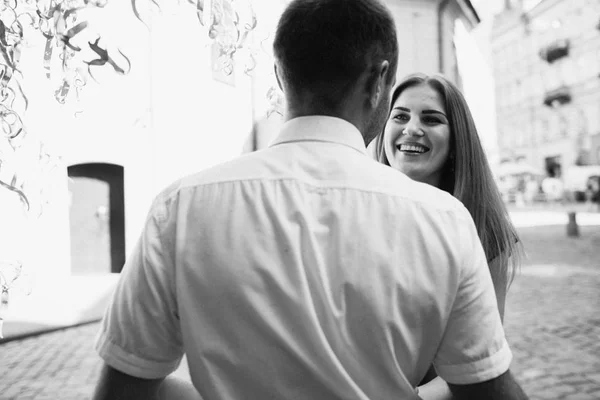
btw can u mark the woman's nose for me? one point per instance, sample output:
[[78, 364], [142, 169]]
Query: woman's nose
[[413, 129]]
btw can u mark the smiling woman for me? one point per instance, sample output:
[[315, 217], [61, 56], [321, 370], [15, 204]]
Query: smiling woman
[[431, 137]]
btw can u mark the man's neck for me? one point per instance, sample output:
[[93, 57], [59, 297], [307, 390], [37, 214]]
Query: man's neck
[[295, 112]]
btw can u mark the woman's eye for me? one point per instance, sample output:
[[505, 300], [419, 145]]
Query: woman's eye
[[431, 121], [401, 117]]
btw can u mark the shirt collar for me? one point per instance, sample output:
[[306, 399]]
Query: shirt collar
[[320, 128]]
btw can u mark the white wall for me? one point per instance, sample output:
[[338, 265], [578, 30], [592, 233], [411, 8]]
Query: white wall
[[478, 88], [167, 118], [416, 25], [177, 120], [197, 122]]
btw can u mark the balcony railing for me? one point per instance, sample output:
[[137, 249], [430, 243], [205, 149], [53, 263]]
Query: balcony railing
[[555, 50], [558, 97]]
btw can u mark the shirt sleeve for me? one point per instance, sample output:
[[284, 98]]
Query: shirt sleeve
[[474, 347], [140, 333]]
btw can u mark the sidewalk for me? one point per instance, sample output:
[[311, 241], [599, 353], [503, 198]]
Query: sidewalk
[[62, 303], [525, 219], [555, 207]]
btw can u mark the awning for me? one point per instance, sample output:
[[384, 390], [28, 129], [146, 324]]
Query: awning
[[520, 168]]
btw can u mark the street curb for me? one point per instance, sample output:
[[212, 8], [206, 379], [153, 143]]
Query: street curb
[[50, 329]]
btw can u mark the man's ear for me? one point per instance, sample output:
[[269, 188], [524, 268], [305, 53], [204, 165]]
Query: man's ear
[[378, 83], [277, 76]]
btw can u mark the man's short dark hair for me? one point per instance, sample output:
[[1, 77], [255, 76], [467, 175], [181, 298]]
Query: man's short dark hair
[[323, 46]]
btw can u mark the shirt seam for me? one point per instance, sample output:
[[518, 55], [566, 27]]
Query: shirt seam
[[168, 197], [292, 141]]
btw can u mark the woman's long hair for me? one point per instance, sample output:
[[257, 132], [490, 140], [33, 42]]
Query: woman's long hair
[[468, 177]]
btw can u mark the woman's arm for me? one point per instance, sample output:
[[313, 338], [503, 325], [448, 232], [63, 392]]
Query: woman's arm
[[437, 389], [116, 385], [500, 285], [432, 387]]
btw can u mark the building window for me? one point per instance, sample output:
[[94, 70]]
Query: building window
[[557, 97], [555, 50]]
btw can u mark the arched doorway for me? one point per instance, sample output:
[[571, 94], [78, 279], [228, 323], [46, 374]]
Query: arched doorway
[[97, 218]]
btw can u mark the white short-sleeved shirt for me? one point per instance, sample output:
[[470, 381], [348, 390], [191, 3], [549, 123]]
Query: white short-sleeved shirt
[[306, 271]]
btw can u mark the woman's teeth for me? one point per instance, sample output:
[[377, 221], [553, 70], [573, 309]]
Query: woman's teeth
[[413, 148]]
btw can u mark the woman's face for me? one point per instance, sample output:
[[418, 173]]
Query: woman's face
[[417, 135]]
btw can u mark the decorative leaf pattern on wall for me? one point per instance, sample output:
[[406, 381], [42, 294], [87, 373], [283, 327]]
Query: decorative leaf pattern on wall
[[61, 24], [63, 27], [226, 22]]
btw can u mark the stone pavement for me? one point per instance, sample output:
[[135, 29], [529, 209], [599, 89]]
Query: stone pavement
[[552, 323], [51, 304], [553, 314], [57, 365]]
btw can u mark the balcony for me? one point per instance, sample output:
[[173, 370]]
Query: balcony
[[557, 97], [555, 50]]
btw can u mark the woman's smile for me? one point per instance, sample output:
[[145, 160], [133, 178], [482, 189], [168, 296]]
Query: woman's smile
[[412, 149]]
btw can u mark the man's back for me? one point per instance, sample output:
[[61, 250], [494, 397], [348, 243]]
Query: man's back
[[309, 271]]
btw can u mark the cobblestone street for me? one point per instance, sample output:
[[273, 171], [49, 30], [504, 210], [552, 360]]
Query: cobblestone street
[[552, 319], [552, 323]]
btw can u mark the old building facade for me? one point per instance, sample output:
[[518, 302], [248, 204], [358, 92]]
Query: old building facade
[[547, 81]]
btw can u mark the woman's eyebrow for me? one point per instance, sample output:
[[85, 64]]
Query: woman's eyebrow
[[422, 112], [432, 112]]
